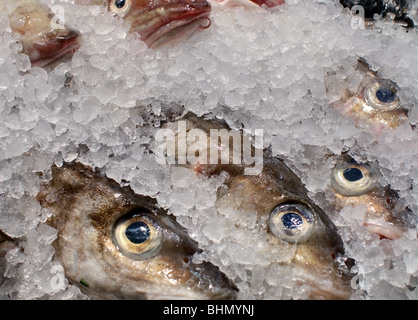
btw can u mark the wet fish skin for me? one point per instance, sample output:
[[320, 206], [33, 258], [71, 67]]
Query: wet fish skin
[[46, 43], [382, 216], [364, 107], [248, 4], [277, 185], [161, 22], [87, 209]]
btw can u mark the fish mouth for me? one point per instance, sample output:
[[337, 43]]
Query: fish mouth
[[56, 47], [178, 29], [326, 287], [207, 282], [383, 229], [217, 286]]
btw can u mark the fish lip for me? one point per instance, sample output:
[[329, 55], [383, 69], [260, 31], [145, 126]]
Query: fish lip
[[56, 47], [383, 229], [153, 36], [217, 286]]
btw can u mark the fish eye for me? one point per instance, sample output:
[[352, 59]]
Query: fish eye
[[352, 179], [292, 222], [382, 95], [120, 7], [138, 235]]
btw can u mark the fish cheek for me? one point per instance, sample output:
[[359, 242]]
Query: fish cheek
[[317, 254]]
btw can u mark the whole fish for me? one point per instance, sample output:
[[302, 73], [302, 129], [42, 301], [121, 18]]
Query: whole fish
[[160, 22], [277, 194], [375, 102], [44, 39], [382, 7], [248, 4], [355, 184], [117, 244]]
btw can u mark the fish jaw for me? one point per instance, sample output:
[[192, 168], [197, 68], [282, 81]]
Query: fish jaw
[[220, 289], [383, 229], [269, 3], [53, 48], [86, 208], [162, 22], [315, 264], [45, 42], [249, 4], [378, 218]]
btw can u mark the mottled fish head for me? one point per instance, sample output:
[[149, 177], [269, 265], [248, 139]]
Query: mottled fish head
[[376, 101], [117, 244], [358, 184], [160, 22], [280, 201], [295, 222], [45, 41]]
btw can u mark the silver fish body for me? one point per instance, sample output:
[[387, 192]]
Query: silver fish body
[[281, 202], [45, 41], [117, 244]]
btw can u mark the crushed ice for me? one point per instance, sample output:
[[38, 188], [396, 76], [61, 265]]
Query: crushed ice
[[256, 69]]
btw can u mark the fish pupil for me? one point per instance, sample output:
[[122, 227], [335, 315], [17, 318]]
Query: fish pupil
[[120, 3], [292, 220], [352, 174], [137, 232], [385, 95]]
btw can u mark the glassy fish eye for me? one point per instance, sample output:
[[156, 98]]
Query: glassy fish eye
[[382, 95], [138, 235], [352, 179], [292, 222], [120, 7]]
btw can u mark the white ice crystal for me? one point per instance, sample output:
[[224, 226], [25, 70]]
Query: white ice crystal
[[258, 69]]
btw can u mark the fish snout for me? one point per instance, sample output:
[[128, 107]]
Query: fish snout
[[216, 285], [55, 46]]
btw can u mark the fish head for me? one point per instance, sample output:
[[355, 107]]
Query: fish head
[[375, 102], [160, 22], [280, 202], [117, 244], [45, 42], [294, 221], [358, 184]]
